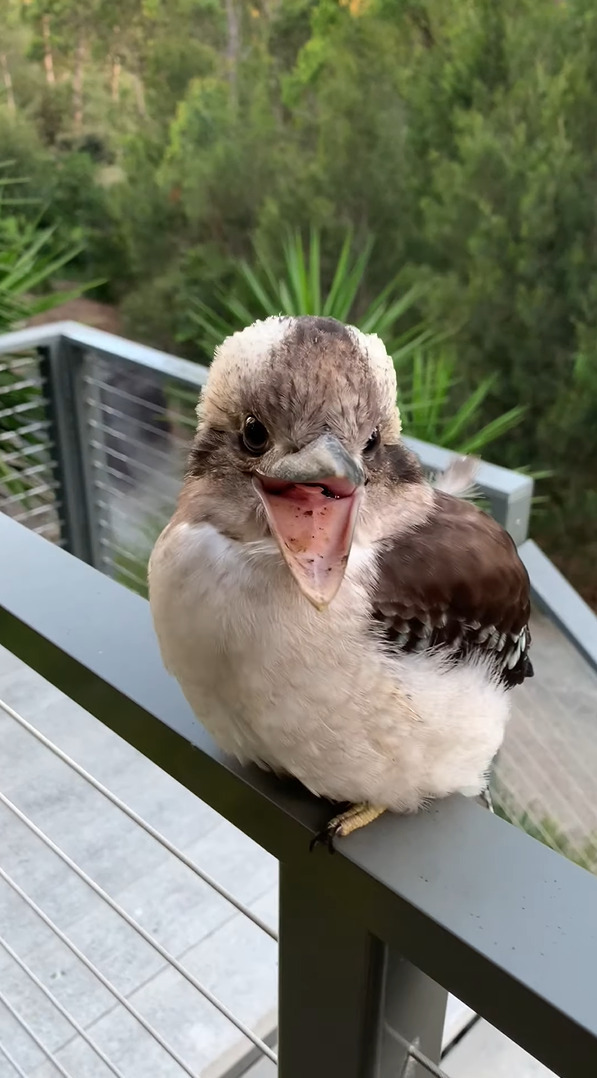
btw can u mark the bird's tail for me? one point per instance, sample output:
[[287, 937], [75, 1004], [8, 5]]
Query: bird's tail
[[459, 478]]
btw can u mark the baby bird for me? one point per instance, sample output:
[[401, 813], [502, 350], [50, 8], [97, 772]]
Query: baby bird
[[328, 613]]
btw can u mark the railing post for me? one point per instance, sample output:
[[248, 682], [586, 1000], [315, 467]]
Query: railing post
[[347, 1004], [331, 973], [413, 1013], [61, 365], [512, 509]]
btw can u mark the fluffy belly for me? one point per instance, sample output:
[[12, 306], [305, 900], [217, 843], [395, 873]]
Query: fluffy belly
[[365, 736], [311, 693]]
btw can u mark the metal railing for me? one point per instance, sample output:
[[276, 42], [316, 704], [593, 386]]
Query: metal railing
[[94, 435], [94, 432], [451, 897], [119, 416], [17, 823]]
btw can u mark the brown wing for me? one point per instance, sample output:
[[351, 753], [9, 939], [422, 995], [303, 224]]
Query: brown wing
[[457, 581]]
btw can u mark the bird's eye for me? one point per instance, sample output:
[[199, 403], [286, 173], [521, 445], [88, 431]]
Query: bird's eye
[[373, 441], [255, 436]]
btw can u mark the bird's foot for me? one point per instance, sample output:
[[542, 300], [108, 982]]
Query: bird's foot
[[345, 823]]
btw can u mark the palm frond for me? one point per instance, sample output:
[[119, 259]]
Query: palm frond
[[426, 366]]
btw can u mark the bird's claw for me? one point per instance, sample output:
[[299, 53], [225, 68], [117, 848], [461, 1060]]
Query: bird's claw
[[343, 824], [325, 838]]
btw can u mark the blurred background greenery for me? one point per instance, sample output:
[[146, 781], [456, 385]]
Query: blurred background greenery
[[425, 168]]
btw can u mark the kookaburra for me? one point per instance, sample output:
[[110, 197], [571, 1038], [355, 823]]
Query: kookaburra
[[328, 613]]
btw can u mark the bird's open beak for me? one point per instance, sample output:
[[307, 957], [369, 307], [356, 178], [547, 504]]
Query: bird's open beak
[[312, 501]]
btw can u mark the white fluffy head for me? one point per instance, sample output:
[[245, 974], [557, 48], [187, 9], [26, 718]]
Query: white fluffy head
[[317, 363]]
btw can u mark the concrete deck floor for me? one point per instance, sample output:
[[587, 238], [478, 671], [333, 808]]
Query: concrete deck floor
[[549, 757], [234, 959]]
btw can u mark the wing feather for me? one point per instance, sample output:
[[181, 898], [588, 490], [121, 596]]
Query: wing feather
[[456, 582]]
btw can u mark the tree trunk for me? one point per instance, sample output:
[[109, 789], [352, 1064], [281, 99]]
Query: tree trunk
[[139, 91], [7, 80], [232, 48], [78, 84], [115, 79], [116, 68], [48, 57]]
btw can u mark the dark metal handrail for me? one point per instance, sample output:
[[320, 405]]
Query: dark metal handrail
[[509, 493], [452, 894]]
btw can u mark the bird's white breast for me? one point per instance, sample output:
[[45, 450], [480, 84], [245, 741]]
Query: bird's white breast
[[312, 693]]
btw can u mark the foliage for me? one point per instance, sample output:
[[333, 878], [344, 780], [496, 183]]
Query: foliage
[[426, 398], [30, 259], [546, 829], [298, 287], [130, 566], [427, 373], [31, 256], [193, 135], [130, 570]]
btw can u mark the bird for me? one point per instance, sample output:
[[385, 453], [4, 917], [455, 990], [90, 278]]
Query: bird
[[330, 614]]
